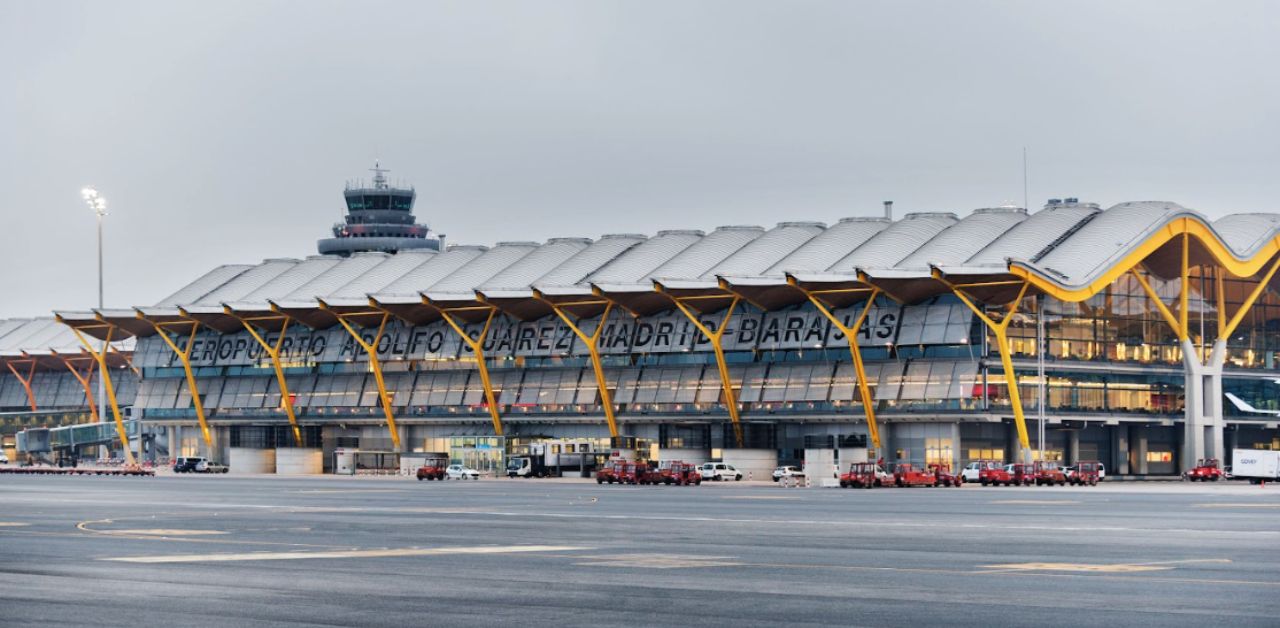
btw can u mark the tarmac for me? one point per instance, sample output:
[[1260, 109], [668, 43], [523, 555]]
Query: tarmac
[[389, 551]]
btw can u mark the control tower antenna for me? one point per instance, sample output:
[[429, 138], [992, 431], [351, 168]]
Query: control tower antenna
[[379, 176]]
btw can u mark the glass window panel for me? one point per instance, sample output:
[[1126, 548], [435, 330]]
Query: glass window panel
[[667, 385], [474, 394], [798, 383], [709, 390], [509, 384], [889, 382], [626, 390], [568, 386], [531, 388], [752, 383], [688, 387], [844, 382], [647, 385], [456, 389], [938, 384], [775, 383]]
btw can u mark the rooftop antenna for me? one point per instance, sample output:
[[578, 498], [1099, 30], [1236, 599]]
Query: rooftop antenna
[[1025, 196], [379, 176]]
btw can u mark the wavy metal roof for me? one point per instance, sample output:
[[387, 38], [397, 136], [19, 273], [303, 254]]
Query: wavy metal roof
[[288, 281], [1073, 249], [483, 268], [576, 269], [245, 283], [964, 239], [393, 268], [429, 273], [539, 262], [888, 247], [1033, 235], [830, 246], [210, 281], [639, 262]]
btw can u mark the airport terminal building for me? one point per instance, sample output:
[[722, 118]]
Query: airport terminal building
[[1144, 336]]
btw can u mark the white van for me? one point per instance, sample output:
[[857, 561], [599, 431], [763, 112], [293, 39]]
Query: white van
[[719, 471]]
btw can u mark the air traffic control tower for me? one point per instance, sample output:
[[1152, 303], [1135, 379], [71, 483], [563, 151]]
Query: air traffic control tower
[[379, 218]]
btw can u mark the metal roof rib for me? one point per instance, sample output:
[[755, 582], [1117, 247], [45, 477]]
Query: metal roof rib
[[208, 282], [357, 290], [576, 269], [1245, 234], [888, 247], [244, 283], [537, 263], [962, 240], [638, 262], [484, 267], [425, 275], [334, 277], [288, 281], [768, 249], [1104, 240], [828, 247]]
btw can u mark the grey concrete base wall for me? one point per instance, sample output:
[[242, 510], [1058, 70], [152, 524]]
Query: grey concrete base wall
[[245, 461], [758, 464], [695, 456], [299, 461], [819, 464]]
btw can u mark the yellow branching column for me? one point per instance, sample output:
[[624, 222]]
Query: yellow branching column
[[477, 348], [101, 357], [1001, 330], [851, 335], [273, 351], [375, 365], [591, 341], [184, 355], [26, 382], [84, 379], [726, 384]]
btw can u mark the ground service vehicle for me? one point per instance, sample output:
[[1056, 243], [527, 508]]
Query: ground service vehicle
[[212, 467], [1048, 473], [187, 465], [862, 475], [1206, 470], [1021, 474], [609, 473], [684, 474], [1256, 465], [433, 469], [942, 474], [1085, 473], [787, 472], [552, 459], [990, 472], [906, 474], [720, 471], [622, 472]]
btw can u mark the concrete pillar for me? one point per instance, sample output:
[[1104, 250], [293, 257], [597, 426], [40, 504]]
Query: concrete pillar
[[1013, 447], [172, 431], [1120, 449], [1140, 453], [819, 465], [1073, 447]]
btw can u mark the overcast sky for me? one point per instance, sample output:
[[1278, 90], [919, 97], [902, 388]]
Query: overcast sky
[[223, 132]]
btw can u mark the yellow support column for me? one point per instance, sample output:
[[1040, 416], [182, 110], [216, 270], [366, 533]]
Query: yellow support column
[[726, 384], [26, 382], [85, 380], [371, 350], [477, 348], [101, 357], [273, 351], [1000, 330], [184, 355], [850, 334], [601, 384]]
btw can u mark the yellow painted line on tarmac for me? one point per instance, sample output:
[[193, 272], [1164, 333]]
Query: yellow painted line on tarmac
[[372, 553], [12, 524], [1240, 505], [1034, 502]]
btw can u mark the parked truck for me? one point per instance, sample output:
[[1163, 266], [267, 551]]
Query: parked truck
[[553, 458], [1256, 465]]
